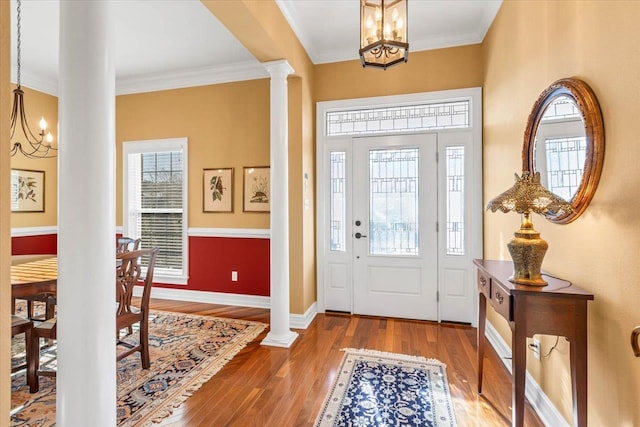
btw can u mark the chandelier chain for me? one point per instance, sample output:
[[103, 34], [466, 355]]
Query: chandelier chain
[[19, 44]]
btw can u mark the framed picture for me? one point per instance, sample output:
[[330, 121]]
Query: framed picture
[[27, 190], [217, 190], [256, 195]]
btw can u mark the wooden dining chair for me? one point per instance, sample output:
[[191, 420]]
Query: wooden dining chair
[[126, 244], [20, 325], [48, 331], [129, 274]]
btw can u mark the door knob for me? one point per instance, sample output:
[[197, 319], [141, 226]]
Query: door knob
[[359, 235], [358, 223]]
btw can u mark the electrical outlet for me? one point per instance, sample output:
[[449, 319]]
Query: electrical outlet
[[535, 344], [234, 276]]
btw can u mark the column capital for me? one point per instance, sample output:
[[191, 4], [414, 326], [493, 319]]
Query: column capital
[[278, 68]]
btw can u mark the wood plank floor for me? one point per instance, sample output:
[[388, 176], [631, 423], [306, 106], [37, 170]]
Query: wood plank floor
[[269, 386]]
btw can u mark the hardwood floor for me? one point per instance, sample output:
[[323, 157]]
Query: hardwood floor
[[269, 386]]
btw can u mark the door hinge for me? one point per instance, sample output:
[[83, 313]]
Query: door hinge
[[437, 227], [437, 296], [436, 157]]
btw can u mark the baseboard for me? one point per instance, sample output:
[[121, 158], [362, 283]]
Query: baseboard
[[302, 321], [208, 297], [296, 321], [540, 402]]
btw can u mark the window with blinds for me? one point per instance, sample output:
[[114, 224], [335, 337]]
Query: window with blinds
[[155, 195]]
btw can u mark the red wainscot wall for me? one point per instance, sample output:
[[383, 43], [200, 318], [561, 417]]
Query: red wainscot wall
[[30, 245], [211, 261]]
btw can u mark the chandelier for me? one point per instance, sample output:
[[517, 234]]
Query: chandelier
[[33, 147], [383, 33]]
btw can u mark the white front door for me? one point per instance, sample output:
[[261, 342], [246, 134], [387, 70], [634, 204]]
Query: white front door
[[405, 172], [395, 242]]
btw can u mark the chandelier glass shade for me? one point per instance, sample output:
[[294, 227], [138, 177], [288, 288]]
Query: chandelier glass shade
[[29, 144], [383, 33]]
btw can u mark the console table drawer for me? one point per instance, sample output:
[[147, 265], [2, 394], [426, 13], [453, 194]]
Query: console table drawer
[[500, 300], [484, 284]]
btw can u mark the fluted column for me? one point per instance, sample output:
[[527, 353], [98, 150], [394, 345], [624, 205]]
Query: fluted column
[[86, 381], [279, 335]]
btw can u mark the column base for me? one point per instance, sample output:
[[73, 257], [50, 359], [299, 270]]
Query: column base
[[280, 340]]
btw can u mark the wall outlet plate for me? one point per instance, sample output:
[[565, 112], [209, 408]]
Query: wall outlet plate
[[234, 276], [535, 344]]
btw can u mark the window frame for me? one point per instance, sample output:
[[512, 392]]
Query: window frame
[[157, 146]]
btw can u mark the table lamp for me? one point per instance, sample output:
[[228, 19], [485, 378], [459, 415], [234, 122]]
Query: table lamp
[[527, 249]]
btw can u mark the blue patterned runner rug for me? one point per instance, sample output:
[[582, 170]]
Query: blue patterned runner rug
[[386, 389]]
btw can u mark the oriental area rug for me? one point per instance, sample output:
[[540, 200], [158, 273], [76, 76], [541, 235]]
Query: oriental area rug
[[186, 351], [379, 389]]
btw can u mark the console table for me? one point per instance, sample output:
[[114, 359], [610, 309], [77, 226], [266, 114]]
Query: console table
[[559, 308]]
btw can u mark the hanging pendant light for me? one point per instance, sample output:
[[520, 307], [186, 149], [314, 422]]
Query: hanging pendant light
[[33, 147], [383, 33]]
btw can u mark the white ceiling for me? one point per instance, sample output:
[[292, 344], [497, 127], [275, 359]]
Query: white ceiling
[[175, 43]]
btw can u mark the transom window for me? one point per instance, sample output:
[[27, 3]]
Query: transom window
[[443, 115]]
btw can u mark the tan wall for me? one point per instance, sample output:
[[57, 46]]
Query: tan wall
[[426, 71], [5, 230], [227, 125], [38, 105], [530, 45]]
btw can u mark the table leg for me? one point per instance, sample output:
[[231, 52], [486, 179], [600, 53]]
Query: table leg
[[518, 368], [482, 318], [578, 355]]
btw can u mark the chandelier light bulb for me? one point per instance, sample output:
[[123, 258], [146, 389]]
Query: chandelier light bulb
[[369, 23], [378, 14], [49, 138], [387, 31], [43, 124], [399, 23]]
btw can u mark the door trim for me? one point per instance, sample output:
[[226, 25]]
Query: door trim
[[324, 143]]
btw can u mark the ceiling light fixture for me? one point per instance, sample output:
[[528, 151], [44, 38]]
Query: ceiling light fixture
[[383, 33], [34, 147]]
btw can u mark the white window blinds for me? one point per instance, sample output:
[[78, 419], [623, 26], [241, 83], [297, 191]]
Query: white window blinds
[[155, 202]]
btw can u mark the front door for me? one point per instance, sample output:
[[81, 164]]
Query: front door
[[395, 212]]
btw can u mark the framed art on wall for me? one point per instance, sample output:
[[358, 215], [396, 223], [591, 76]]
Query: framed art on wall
[[217, 190], [256, 195], [27, 190]]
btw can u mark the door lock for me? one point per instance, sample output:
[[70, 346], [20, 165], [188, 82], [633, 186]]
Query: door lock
[[359, 235]]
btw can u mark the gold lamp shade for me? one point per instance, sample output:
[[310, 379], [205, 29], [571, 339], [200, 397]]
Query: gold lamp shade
[[527, 249]]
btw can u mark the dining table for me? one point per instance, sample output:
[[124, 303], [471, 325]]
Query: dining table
[[33, 276]]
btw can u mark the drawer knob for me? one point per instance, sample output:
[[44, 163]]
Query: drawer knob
[[483, 281], [499, 297]]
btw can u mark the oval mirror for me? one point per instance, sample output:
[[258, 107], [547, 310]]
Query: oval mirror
[[564, 141]]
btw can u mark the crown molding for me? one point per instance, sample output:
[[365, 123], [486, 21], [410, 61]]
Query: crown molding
[[36, 82], [305, 40], [240, 71]]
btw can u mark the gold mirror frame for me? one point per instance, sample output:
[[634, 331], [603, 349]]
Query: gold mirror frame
[[586, 101]]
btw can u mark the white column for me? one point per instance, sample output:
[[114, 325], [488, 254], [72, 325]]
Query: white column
[[279, 335], [86, 382]]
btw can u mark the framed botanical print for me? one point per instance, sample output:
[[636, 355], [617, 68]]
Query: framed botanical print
[[256, 194], [217, 190], [27, 190]]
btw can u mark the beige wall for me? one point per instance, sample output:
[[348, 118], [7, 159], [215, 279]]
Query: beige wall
[[5, 230], [263, 30], [227, 125], [426, 71], [530, 45], [38, 105]]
